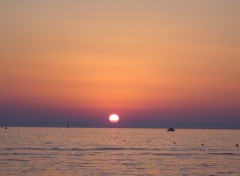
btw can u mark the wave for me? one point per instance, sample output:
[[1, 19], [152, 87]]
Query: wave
[[222, 154], [78, 149], [156, 151]]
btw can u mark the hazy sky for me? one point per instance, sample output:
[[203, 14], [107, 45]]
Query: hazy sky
[[156, 63]]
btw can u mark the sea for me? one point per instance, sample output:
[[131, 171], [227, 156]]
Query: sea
[[28, 151]]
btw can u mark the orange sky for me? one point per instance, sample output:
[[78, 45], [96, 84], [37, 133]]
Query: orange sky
[[108, 54]]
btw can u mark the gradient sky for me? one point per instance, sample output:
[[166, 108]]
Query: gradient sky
[[156, 63]]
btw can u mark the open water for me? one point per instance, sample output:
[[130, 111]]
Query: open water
[[118, 151]]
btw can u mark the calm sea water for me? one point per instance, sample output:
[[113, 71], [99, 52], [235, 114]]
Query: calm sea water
[[96, 151]]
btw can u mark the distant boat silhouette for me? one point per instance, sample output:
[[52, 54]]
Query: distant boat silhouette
[[170, 129]]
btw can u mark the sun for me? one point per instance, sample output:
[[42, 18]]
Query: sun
[[114, 118]]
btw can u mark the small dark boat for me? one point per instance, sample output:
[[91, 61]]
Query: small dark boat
[[170, 129]]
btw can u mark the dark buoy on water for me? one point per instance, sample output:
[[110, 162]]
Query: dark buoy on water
[[171, 129], [174, 143], [5, 127], [236, 145], [202, 144]]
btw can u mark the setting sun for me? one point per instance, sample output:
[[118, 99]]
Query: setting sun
[[113, 118]]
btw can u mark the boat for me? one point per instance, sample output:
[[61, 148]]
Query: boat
[[170, 129]]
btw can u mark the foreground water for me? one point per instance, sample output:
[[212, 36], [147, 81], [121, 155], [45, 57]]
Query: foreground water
[[93, 151]]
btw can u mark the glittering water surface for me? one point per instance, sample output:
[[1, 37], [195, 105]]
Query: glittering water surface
[[96, 151]]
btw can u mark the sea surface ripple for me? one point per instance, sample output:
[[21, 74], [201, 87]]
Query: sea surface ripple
[[118, 151]]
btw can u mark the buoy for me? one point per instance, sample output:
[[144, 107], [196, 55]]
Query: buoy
[[236, 145]]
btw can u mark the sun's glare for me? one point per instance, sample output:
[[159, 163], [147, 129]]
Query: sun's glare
[[113, 118]]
